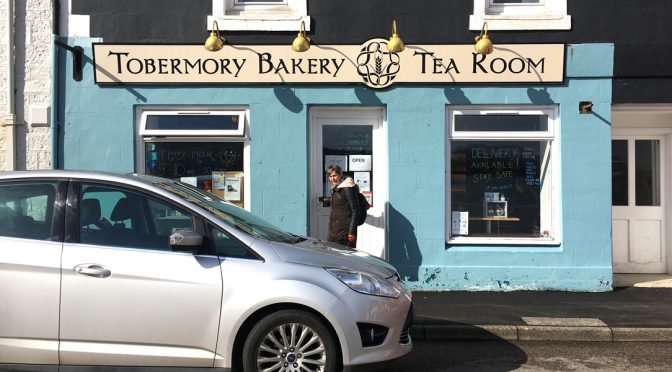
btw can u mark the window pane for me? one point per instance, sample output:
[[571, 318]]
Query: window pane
[[516, 1], [647, 172], [26, 210], [118, 217], [206, 165], [501, 186], [192, 122], [258, 1], [226, 246], [339, 144], [501, 123], [619, 172]]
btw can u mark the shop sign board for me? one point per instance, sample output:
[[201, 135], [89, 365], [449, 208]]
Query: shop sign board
[[370, 63]]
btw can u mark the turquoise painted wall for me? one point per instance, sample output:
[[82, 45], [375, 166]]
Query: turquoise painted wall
[[98, 133]]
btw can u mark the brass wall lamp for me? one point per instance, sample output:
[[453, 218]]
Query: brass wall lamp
[[214, 42], [301, 42], [483, 44], [395, 45]]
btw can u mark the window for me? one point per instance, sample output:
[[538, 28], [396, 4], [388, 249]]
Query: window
[[190, 123], [501, 177], [203, 147], [117, 217], [255, 15], [635, 166], [26, 209], [520, 15], [226, 246]]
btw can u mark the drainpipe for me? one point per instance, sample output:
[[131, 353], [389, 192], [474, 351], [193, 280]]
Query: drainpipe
[[9, 120], [53, 114]]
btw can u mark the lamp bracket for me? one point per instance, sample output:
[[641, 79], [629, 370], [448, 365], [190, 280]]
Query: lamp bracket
[[77, 53]]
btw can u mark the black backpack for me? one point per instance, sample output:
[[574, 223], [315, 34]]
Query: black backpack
[[363, 206]]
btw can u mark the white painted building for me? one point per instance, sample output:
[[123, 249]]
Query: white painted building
[[25, 84]]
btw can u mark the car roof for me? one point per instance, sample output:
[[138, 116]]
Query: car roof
[[75, 174]]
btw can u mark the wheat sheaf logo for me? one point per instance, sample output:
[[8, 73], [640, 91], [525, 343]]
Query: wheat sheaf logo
[[376, 65]]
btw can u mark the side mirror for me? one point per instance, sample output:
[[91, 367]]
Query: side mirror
[[185, 240]]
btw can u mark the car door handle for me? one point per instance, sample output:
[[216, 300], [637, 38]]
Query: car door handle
[[93, 270]]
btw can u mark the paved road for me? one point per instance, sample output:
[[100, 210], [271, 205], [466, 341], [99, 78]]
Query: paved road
[[499, 356]]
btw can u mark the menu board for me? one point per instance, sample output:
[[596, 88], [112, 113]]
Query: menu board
[[485, 167], [192, 159]]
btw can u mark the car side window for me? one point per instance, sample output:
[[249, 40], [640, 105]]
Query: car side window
[[120, 217], [26, 209], [226, 246]]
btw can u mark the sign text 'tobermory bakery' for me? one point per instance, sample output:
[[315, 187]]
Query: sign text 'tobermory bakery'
[[370, 63]]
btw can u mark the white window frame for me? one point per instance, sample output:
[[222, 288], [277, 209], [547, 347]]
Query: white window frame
[[548, 135], [233, 16], [239, 132], [546, 15], [194, 136]]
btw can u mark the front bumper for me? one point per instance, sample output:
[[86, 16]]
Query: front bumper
[[354, 309]]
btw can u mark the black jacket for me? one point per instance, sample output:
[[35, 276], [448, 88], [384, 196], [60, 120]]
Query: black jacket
[[344, 211]]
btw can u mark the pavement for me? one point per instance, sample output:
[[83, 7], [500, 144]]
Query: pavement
[[638, 309]]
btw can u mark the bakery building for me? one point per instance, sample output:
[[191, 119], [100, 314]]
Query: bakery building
[[484, 171]]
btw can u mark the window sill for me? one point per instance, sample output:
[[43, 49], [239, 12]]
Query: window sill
[[261, 21], [503, 241], [524, 22]]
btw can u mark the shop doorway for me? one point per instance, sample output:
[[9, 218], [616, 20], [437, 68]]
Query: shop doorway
[[640, 188], [354, 139]]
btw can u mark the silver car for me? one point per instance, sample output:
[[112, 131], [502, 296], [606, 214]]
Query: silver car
[[101, 269]]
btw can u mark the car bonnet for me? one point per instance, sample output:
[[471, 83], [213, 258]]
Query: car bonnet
[[325, 254]]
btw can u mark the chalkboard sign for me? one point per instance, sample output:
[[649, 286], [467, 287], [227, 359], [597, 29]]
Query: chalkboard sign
[[347, 139], [510, 170], [192, 159]]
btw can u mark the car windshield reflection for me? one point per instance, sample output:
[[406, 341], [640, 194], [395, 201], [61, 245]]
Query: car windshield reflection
[[230, 214]]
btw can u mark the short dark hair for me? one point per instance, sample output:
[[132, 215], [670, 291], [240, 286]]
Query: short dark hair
[[333, 168]]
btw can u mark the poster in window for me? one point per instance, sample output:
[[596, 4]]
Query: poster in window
[[363, 180], [232, 189], [229, 186], [360, 163], [460, 223], [193, 181], [368, 195], [218, 183], [340, 160]]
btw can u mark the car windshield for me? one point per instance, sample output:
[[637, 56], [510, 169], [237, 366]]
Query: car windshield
[[228, 213]]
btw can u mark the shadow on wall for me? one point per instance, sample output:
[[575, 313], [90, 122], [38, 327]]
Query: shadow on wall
[[539, 97], [367, 96], [403, 246], [455, 96], [288, 98]]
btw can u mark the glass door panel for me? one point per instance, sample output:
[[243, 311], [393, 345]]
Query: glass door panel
[[647, 172]]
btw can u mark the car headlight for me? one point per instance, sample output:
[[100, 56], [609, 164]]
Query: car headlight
[[366, 283]]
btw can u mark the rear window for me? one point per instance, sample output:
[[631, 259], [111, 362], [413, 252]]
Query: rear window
[[26, 209]]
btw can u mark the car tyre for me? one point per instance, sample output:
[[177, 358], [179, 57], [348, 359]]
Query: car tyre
[[290, 340]]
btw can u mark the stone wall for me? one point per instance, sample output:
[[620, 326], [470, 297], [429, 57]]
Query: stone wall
[[33, 24], [3, 84]]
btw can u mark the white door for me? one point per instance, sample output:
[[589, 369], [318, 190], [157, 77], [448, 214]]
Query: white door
[[126, 298], [353, 138], [638, 203]]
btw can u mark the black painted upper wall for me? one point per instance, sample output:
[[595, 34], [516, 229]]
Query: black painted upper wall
[[145, 21], [642, 69]]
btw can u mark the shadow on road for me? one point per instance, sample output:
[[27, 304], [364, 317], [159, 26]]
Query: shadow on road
[[472, 349]]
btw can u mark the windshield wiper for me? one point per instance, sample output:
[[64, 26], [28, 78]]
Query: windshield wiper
[[298, 239]]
